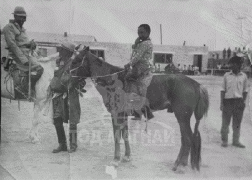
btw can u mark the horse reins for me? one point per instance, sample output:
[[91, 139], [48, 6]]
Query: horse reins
[[93, 76]]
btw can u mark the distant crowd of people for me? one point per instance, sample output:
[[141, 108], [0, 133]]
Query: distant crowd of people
[[170, 68], [222, 66], [190, 70]]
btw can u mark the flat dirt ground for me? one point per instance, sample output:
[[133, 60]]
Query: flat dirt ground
[[153, 154]]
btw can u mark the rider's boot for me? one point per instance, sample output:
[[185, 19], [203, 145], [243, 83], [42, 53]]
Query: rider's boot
[[147, 112]]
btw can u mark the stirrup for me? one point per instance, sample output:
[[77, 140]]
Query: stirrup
[[133, 97], [24, 96]]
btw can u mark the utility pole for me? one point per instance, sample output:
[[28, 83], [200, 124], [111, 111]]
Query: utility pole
[[249, 34], [70, 16], [161, 33], [241, 18], [215, 38]]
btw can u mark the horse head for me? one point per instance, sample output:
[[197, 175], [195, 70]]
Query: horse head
[[80, 64]]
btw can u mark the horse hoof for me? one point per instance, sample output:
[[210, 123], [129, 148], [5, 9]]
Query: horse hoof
[[180, 169], [34, 140], [126, 159], [174, 168], [114, 163], [31, 137]]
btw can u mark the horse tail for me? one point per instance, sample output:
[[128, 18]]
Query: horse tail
[[203, 103], [196, 148], [200, 111]]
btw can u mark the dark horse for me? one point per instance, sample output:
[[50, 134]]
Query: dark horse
[[183, 94]]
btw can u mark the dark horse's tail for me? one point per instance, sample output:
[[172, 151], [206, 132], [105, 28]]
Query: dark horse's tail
[[200, 111]]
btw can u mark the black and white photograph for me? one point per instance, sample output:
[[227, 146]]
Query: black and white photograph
[[126, 89]]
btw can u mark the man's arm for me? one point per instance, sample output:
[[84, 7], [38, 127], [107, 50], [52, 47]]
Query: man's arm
[[223, 93], [222, 98], [11, 42], [244, 96], [245, 89]]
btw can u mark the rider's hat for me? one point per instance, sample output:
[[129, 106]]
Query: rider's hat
[[68, 46], [19, 11]]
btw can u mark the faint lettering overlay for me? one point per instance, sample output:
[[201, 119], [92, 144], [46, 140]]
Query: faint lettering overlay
[[157, 134]]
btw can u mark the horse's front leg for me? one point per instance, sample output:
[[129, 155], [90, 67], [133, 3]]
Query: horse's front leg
[[125, 135], [117, 137], [33, 135]]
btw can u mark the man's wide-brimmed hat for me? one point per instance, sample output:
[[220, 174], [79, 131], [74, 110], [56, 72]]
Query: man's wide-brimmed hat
[[19, 11], [68, 46]]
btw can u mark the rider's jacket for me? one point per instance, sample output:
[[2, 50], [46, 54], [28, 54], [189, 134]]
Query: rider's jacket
[[142, 54], [17, 41]]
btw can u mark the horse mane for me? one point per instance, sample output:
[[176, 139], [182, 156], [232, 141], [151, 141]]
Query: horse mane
[[104, 71], [112, 68]]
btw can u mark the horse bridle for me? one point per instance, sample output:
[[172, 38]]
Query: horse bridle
[[92, 77]]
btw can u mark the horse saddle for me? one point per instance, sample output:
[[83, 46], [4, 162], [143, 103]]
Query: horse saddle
[[18, 77], [26, 68], [137, 87]]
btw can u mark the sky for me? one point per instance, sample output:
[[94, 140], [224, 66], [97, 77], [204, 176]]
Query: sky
[[217, 23]]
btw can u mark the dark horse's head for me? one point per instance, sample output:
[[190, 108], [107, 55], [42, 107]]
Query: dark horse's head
[[87, 65]]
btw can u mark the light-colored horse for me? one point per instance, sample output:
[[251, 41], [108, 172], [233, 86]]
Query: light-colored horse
[[247, 55], [40, 104], [247, 52]]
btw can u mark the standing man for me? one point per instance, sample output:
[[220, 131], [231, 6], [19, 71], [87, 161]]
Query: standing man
[[19, 46], [233, 96], [140, 62], [66, 105], [228, 53], [224, 53]]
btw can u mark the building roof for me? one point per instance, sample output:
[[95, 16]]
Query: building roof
[[59, 38]]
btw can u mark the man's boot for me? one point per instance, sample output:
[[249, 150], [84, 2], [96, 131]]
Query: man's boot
[[36, 75], [61, 139], [73, 138], [236, 142], [224, 138]]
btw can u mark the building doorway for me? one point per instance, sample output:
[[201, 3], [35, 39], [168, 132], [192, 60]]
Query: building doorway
[[197, 61]]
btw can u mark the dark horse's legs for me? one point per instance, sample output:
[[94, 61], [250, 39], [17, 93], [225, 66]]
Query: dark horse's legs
[[120, 129], [186, 138]]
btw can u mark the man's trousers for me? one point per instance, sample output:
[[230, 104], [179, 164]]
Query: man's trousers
[[232, 108]]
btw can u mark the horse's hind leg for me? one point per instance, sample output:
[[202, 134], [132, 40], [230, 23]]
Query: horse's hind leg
[[186, 137]]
